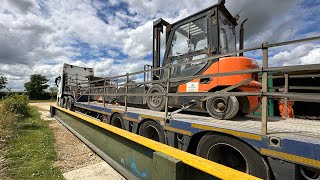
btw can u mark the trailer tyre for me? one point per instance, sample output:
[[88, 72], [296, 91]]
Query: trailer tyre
[[64, 102], [117, 121], [233, 153], [223, 107], [156, 103], [152, 130], [70, 104]]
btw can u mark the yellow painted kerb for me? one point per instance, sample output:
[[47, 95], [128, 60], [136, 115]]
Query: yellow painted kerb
[[228, 131], [197, 162], [290, 157]]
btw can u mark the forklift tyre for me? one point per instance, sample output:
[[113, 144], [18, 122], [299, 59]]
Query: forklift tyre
[[223, 107], [70, 104], [152, 130], [233, 153], [156, 103]]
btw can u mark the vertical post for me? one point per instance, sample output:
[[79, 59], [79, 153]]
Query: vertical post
[[89, 90], [167, 91], [104, 93], [264, 114], [126, 97], [144, 78], [286, 90], [77, 88]]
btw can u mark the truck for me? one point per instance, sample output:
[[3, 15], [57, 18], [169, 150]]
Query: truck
[[202, 70], [202, 35]]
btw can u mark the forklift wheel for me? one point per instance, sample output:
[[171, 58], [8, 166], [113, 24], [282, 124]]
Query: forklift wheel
[[223, 107], [156, 103]]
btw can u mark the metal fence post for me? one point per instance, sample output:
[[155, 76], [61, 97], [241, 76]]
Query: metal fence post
[[89, 90], [144, 78], [77, 88], [286, 90], [167, 92], [264, 114], [126, 97], [104, 93]]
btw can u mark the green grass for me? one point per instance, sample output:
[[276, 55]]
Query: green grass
[[32, 153]]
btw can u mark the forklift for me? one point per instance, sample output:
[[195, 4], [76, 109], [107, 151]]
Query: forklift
[[207, 33]]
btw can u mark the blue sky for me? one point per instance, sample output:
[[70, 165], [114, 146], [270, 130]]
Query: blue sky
[[115, 37]]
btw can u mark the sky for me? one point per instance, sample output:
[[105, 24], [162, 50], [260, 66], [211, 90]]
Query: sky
[[115, 36]]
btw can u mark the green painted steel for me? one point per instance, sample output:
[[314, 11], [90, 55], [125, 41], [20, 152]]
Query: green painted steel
[[271, 104], [139, 161]]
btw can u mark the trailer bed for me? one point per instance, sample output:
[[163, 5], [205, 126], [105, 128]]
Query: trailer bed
[[294, 129]]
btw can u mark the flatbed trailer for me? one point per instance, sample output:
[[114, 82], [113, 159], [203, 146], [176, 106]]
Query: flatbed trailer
[[263, 146], [294, 140]]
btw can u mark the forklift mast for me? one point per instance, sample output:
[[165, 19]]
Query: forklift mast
[[157, 29]]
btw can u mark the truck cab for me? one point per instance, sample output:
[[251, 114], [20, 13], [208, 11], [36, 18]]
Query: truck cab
[[69, 83]]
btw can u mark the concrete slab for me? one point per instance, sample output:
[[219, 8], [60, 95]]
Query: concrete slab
[[99, 171]]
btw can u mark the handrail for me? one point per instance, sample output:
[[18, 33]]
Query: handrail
[[264, 93]]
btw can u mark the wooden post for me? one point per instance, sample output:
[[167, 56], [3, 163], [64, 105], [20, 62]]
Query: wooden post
[[264, 114]]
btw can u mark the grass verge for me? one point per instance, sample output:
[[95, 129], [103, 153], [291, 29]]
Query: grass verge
[[31, 150]]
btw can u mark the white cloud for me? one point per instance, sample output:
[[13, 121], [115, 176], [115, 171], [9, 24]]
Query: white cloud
[[37, 36], [313, 57], [21, 6], [113, 53], [301, 54]]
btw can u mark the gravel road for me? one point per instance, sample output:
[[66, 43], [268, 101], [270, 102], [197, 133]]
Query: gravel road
[[72, 154]]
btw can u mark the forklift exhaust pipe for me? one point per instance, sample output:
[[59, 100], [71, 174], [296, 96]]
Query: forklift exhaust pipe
[[241, 36]]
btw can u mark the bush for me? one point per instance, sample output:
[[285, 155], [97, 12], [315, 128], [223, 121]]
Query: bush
[[17, 104], [8, 124]]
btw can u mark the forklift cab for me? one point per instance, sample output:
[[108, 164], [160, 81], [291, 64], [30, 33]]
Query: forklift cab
[[206, 33]]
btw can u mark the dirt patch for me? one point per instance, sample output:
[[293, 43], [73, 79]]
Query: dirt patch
[[71, 152]]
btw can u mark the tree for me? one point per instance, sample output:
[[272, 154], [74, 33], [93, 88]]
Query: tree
[[53, 91], [3, 82], [36, 86]]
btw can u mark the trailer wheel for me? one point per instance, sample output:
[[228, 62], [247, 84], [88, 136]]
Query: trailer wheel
[[70, 104], [152, 130], [117, 121], [156, 103], [223, 107], [232, 153], [64, 102]]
